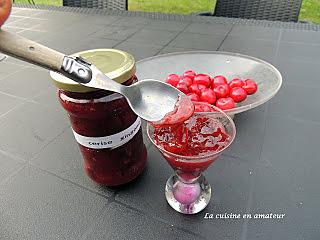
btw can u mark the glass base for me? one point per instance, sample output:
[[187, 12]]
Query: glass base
[[188, 198]]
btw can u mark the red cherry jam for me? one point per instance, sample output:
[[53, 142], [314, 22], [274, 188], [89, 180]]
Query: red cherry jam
[[102, 113], [199, 136], [182, 111]]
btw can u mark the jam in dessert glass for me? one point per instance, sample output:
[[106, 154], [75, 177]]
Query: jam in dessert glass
[[190, 148]]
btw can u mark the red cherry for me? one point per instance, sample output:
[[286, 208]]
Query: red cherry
[[208, 95], [201, 87], [202, 79], [236, 82], [218, 80], [186, 80], [193, 97], [225, 103], [238, 94], [182, 86], [173, 79], [194, 88], [250, 86], [191, 74], [222, 90]]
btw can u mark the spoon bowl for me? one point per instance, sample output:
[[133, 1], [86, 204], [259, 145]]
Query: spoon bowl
[[151, 99]]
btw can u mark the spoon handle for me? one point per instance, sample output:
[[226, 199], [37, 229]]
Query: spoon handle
[[30, 51], [19, 47]]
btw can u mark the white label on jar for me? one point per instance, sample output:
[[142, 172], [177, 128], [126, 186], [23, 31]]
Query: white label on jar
[[112, 141]]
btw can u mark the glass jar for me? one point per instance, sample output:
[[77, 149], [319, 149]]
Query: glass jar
[[108, 132]]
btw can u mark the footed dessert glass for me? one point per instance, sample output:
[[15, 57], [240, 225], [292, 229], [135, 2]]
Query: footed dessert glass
[[190, 148]]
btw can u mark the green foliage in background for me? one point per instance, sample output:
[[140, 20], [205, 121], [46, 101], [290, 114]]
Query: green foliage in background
[[310, 10], [172, 6]]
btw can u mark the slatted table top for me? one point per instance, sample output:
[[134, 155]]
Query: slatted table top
[[272, 167]]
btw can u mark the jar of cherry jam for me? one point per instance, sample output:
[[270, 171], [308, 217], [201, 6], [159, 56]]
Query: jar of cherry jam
[[107, 130]]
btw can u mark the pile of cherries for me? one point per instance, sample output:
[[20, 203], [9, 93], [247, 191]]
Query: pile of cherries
[[216, 91]]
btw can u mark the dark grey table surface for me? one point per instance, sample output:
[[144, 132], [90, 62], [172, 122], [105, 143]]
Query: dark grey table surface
[[272, 167]]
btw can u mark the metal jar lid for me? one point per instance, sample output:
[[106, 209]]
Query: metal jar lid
[[116, 64]]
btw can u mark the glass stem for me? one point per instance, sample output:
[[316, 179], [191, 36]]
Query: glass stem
[[188, 177]]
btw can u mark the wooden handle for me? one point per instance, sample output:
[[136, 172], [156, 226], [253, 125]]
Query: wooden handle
[[27, 50]]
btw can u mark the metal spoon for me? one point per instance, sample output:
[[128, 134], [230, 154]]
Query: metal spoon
[[149, 99]]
